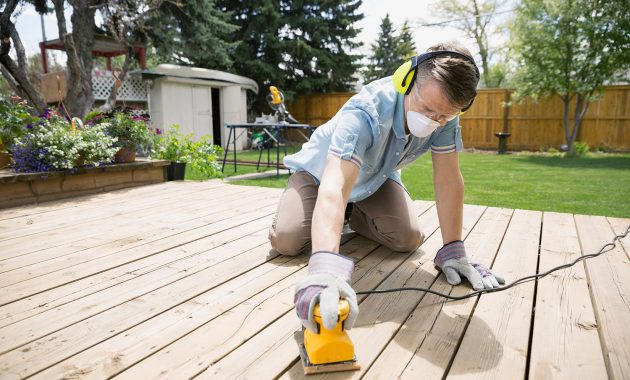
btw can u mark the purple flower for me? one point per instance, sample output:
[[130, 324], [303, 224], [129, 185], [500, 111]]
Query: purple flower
[[46, 114], [29, 126], [158, 131]]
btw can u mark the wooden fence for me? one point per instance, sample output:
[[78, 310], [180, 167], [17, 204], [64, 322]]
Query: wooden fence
[[533, 125]]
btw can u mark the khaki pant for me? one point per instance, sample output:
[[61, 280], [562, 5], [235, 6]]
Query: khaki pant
[[386, 217]]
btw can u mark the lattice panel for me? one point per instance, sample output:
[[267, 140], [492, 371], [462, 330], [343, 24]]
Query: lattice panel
[[132, 89]]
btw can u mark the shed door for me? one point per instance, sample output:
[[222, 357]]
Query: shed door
[[202, 111]]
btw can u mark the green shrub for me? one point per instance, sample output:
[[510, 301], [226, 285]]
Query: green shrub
[[15, 116], [200, 155], [580, 149]]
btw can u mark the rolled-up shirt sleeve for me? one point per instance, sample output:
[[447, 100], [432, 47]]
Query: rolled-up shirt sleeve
[[449, 140], [353, 134]]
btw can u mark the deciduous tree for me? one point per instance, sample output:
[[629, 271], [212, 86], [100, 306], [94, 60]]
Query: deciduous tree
[[570, 48]]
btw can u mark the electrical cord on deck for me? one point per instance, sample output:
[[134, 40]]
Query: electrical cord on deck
[[602, 250]]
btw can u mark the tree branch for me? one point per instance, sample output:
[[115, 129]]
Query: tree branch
[[16, 73]]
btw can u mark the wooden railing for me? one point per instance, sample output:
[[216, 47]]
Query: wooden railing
[[533, 125]]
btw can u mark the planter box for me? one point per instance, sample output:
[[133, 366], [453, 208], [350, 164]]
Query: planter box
[[18, 189]]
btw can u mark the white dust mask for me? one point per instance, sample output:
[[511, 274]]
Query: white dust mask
[[420, 125]]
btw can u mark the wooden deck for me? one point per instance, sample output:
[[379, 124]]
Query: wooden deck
[[177, 280]]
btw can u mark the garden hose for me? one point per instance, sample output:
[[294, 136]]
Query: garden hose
[[607, 247]]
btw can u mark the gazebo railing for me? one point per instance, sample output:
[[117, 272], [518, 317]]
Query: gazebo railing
[[54, 87]]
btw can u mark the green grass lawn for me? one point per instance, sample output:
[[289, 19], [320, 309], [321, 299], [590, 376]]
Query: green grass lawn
[[595, 185]]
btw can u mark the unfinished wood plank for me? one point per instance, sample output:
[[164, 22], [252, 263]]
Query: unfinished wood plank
[[565, 343], [378, 320], [89, 212], [43, 213], [620, 226], [253, 304], [57, 208], [60, 204], [609, 279], [120, 232], [234, 243], [50, 280], [271, 351], [195, 352], [496, 341], [62, 262], [165, 251], [198, 344], [52, 348], [481, 245]]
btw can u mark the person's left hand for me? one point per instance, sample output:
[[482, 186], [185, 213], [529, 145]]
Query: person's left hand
[[452, 260]]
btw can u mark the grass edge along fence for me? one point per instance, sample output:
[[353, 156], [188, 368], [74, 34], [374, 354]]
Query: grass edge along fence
[[532, 125]]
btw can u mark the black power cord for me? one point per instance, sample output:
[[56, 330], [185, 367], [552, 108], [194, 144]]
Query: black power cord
[[602, 250]]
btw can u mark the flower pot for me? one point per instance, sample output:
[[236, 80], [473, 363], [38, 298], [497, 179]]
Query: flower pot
[[176, 171], [125, 155]]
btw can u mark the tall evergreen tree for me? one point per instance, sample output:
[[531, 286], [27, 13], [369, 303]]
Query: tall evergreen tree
[[193, 32], [260, 51], [320, 34], [406, 47], [389, 51], [298, 45]]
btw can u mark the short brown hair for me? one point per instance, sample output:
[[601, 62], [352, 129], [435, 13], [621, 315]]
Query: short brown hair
[[457, 76]]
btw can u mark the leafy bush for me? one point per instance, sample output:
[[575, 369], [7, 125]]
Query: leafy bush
[[15, 116], [580, 149], [200, 155]]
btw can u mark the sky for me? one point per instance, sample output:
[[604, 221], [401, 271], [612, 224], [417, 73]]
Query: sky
[[416, 11]]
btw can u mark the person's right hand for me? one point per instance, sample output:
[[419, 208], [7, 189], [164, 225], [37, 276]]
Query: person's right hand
[[327, 282]]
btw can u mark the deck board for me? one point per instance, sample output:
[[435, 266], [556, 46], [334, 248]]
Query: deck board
[[565, 342], [178, 280]]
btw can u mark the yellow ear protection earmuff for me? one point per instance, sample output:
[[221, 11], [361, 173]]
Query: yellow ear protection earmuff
[[405, 75]]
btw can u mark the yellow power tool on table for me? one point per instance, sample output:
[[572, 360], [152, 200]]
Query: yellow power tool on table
[[328, 350], [275, 99]]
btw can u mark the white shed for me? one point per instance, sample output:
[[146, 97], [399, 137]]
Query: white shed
[[201, 101]]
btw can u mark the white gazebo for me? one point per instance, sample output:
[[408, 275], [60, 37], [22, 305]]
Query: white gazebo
[[200, 101]]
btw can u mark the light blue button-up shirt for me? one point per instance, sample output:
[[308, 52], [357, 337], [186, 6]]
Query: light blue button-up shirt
[[369, 131]]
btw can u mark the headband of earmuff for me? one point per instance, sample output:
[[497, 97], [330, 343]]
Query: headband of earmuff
[[405, 75]]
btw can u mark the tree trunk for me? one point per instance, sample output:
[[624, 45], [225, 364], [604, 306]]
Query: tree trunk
[[581, 106], [78, 46], [16, 73], [482, 44], [566, 99], [118, 81]]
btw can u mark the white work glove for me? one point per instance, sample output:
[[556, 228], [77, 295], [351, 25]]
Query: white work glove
[[451, 258], [327, 281]]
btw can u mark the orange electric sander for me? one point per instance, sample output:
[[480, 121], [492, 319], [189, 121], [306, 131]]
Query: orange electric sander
[[328, 350]]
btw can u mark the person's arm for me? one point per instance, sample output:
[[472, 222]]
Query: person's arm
[[449, 199], [334, 190], [449, 195], [329, 273]]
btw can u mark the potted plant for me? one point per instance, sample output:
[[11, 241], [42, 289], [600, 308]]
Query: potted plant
[[131, 133], [15, 119], [182, 150]]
